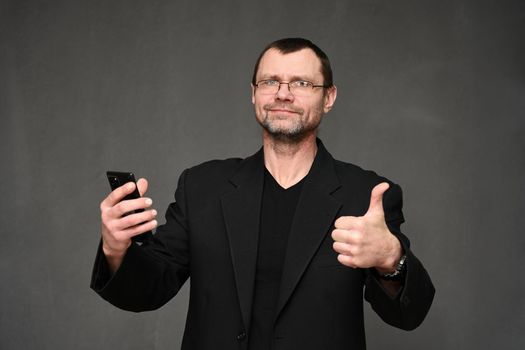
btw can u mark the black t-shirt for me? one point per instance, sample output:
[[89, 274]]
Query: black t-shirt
[[277, 212]]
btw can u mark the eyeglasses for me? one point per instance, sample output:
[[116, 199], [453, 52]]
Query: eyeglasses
[[296, 87]]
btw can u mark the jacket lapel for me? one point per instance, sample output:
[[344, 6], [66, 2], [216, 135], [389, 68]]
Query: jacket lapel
[[314, 215], [241, 209]]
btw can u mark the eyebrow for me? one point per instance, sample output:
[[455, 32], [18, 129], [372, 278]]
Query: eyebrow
[[292, 78]]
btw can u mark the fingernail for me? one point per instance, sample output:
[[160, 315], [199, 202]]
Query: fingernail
[[154, 212], [148, 201], [155, 222], [130, 185]]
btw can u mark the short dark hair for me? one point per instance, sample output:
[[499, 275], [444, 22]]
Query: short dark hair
[[289, 45]]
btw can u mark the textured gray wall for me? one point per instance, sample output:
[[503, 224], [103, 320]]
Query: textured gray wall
[[431, 94]]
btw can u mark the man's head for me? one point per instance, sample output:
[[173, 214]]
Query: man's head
[[289, 45], [292, 88]]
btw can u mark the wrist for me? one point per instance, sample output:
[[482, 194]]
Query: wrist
[[112, 253], [399, 272], [392, 258], [114, 257]]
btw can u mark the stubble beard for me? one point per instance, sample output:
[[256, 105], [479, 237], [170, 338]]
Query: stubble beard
[[295, 132]]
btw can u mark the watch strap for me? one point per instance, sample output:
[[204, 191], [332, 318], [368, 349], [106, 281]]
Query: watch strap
[[398, 273]]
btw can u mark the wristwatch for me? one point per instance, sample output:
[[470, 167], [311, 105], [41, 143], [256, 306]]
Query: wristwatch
[[399, 273]]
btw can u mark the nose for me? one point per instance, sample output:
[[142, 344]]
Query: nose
[[284, 92]]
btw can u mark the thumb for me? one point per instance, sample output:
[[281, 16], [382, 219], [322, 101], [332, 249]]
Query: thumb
[[376, 198], [142, 185]]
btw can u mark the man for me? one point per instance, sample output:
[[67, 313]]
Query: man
[[280, 245]]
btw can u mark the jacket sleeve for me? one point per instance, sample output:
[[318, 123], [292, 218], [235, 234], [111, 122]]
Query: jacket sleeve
[[408, 308], [151, 273]]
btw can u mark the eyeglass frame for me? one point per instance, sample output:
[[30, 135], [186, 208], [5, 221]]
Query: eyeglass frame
[[312, 85]]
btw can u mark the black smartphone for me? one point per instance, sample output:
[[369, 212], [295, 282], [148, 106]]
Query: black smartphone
[[119, 178]]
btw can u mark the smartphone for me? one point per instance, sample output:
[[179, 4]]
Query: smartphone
[[119, 178]]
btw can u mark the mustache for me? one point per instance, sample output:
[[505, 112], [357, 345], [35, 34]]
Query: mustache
[[286, 106]]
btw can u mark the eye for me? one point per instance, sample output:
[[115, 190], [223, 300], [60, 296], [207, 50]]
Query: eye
[[269, 83], [301, 84]]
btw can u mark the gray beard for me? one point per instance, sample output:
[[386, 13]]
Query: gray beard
[[296, 133]]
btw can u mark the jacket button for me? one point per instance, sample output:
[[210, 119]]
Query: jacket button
[[241, 336]]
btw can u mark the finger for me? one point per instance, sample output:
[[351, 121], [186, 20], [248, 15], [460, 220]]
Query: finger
[[116, 195], [135, 219], [137, 230], [142, 185], [347, 236], [339, 235], [376, 198], [343, 248], [130, 205], [347, 222], [346, 260]]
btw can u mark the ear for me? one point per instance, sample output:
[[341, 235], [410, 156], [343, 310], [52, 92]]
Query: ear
[[253, 93], [329, 98]]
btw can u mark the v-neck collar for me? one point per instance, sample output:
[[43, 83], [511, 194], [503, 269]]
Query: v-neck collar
[[270, 180]]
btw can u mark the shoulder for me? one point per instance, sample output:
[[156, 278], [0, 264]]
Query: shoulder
[[203, 182], [215, 167], [351, 173], [212, 172], [357, 183]]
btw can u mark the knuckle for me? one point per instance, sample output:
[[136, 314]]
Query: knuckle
[[119, 236], [111, 227], [120, 208], [105, 212], [357, 236]]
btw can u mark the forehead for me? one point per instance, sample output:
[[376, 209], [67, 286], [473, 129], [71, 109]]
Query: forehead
[[303, 63]]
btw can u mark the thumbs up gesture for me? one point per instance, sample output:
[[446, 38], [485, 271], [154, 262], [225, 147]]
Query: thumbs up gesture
[[365, 241]]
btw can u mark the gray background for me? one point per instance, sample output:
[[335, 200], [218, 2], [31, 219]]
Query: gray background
[[431, 95]]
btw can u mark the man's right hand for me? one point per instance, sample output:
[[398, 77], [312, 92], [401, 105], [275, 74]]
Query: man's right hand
[[117, 229]]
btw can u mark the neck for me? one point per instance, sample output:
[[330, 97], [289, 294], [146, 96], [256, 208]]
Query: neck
[[289, 161]]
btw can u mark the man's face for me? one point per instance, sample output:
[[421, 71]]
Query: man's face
[[284, 115]]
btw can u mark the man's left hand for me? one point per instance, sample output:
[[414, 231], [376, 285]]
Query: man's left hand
[[365, 241]]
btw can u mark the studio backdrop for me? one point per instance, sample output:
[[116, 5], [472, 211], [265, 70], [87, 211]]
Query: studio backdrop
[[431, 94]]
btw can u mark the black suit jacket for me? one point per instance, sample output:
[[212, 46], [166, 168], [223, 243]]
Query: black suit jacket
[[211, 235]]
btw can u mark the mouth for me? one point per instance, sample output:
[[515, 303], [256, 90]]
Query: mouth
[[282, 109]]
